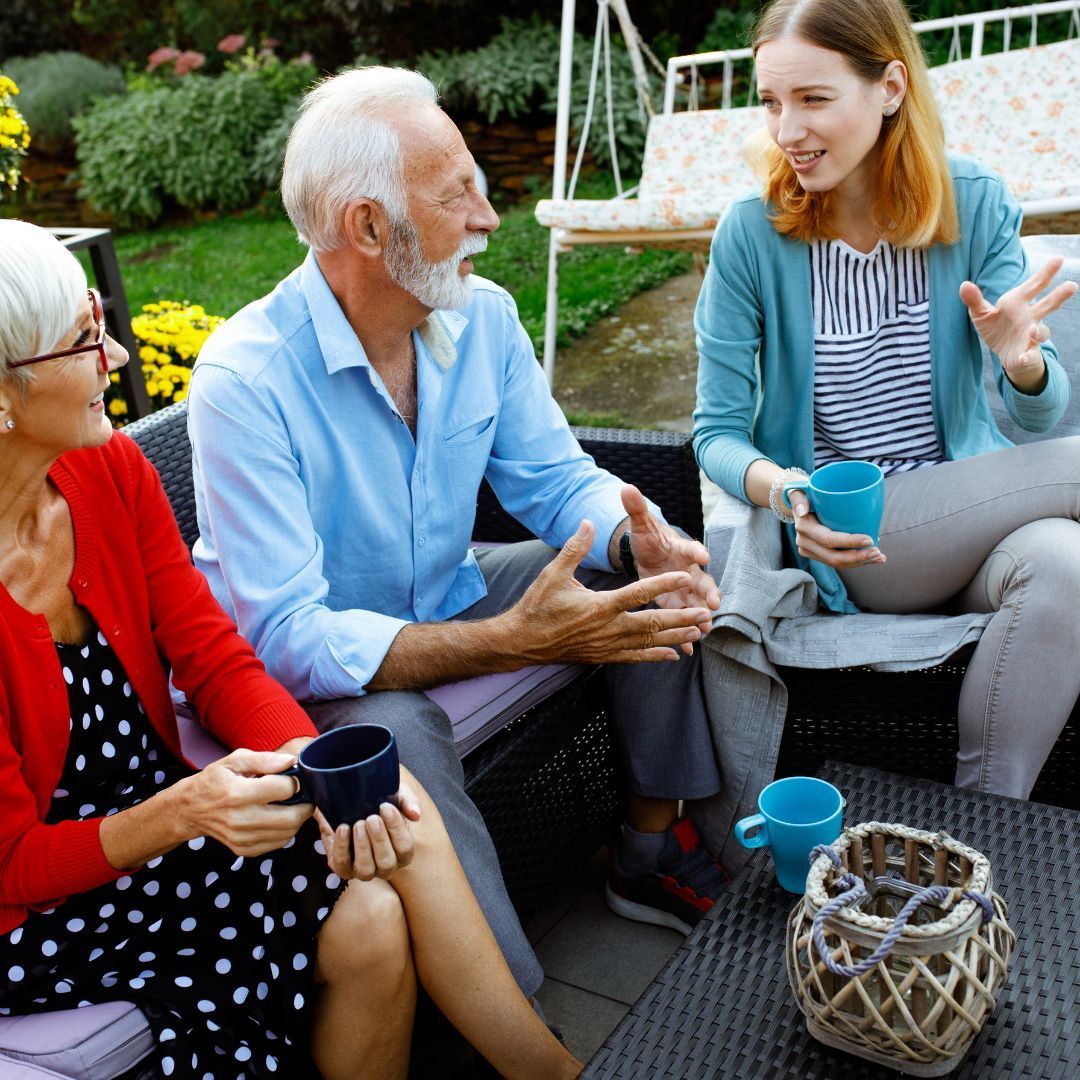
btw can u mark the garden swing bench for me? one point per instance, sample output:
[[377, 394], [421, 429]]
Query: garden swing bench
[[1017, 111]]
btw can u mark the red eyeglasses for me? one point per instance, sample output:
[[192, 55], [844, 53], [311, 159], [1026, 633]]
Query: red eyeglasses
[[97, 346]]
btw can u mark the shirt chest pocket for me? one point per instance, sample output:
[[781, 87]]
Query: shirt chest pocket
[[469, 433]]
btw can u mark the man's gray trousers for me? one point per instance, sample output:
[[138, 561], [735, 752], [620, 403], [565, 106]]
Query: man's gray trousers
[[662, 736]]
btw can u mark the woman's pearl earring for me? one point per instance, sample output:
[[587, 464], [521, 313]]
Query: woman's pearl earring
[[890, 109], [10, 425]]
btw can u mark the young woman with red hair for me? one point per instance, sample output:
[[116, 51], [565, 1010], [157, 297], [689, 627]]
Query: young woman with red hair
[[841, 318]]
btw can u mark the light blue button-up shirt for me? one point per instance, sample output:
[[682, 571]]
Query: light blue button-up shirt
[[324, 526]]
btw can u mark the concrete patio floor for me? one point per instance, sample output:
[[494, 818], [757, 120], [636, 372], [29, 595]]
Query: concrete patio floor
[[596, 964]]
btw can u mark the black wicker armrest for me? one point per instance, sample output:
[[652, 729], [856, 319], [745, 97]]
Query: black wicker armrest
[[660, 463], [163, 438]]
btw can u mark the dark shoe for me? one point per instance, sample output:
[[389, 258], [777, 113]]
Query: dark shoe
[[686, 883]]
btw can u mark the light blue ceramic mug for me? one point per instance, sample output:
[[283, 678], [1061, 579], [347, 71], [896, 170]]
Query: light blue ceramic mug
[[846, 496], [797, 814]]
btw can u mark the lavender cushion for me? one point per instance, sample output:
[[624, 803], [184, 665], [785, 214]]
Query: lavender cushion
[[477, 708], [18, 1070], [92, 1043]]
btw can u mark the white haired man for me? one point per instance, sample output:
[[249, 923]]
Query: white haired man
[[341, 428]]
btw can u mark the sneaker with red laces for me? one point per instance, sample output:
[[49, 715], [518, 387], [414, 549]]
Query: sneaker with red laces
[[679, 892]]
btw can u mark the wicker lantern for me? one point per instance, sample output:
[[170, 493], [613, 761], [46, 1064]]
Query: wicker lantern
[[899, 948]]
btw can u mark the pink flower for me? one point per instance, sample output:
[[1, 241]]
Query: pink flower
[[188, 60], [232, 43], [306, 58], [269, 43], [161, 56]]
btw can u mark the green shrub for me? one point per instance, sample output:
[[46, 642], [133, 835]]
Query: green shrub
[[286, 79], [57, 86], [729, 29], [188, 143], [288, 82], [269, 153], [516, 74]]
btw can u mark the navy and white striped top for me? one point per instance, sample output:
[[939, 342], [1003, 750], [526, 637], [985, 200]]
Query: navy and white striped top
[[872, 356]]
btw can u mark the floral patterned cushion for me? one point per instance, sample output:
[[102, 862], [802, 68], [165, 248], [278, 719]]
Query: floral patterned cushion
[[1019, 114], [1016, 112], [691, 171]]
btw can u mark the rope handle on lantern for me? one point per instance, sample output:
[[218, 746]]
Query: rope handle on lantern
[[855, 889]]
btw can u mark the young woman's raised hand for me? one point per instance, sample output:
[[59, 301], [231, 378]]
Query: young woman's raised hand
[[1013, 328]]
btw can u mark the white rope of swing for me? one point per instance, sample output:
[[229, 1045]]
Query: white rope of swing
[[602, 39]]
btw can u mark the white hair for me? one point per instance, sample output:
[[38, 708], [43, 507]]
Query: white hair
[[342, 148], [42, 286]]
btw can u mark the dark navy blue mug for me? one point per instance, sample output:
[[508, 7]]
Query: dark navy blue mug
[[347, 773]]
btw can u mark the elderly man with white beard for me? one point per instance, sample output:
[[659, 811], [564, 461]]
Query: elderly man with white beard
[[341, 428]]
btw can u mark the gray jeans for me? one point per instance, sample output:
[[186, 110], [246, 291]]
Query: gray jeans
[[995, 533], [661, 730]]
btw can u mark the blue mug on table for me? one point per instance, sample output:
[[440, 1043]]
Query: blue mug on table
[[846, 496], [797, 814], [347, 773]]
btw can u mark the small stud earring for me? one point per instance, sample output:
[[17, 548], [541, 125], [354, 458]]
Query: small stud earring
[[11, 425], [890, 109]]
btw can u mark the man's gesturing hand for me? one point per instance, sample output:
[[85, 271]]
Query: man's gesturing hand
[[659, 549], [558, 620]]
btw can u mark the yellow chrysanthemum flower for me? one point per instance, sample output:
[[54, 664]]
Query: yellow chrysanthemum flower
[[171, 335]]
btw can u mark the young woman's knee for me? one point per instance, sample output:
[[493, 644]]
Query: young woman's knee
[[1045, 561], [366, 936]]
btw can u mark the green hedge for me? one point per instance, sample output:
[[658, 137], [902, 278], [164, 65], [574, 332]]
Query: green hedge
[[190, 143], [55, 87], [516, 74]]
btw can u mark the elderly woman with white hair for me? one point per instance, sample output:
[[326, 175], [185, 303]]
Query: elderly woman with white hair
[[125, 873]]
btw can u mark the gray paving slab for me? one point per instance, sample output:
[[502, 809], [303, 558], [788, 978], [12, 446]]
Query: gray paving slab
[[594, 950], [585, 1019], [588, 877]]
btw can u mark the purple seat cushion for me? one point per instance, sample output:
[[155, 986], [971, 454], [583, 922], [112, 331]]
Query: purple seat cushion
[[92, 1043], [18, 1070], [477, 708]]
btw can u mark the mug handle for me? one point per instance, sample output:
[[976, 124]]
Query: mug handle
[[787, 486], [301, 795], [755, 821]]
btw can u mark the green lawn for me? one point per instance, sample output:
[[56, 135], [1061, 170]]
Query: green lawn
[[224, 263]]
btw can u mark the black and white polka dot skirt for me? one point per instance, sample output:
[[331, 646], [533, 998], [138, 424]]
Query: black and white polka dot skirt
[[218, 951]]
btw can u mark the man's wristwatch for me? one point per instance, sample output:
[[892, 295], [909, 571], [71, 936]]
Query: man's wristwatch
[[626, 556]]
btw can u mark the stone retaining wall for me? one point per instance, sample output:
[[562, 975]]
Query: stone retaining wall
[[510, 153]]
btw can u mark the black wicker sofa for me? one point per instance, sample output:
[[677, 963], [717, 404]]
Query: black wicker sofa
[[546, 782]]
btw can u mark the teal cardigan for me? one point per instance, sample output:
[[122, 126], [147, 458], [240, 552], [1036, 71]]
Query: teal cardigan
[[755, 337]]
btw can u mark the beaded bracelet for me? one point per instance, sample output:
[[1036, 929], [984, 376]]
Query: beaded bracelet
[[774, 492]]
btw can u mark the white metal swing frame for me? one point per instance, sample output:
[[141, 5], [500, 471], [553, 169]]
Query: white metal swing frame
[[682, 71]]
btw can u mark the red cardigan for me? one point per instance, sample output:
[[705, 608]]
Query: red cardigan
[[134, 576]]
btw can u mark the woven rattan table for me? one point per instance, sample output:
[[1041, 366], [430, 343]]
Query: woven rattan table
[[722, 1007]]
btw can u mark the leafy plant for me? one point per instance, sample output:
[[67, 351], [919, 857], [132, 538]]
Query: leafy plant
[[269, 154], [730, 28], [190, 144], [129, 30], [57, 86], [287, 80], [14, 135], [516, 74]]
